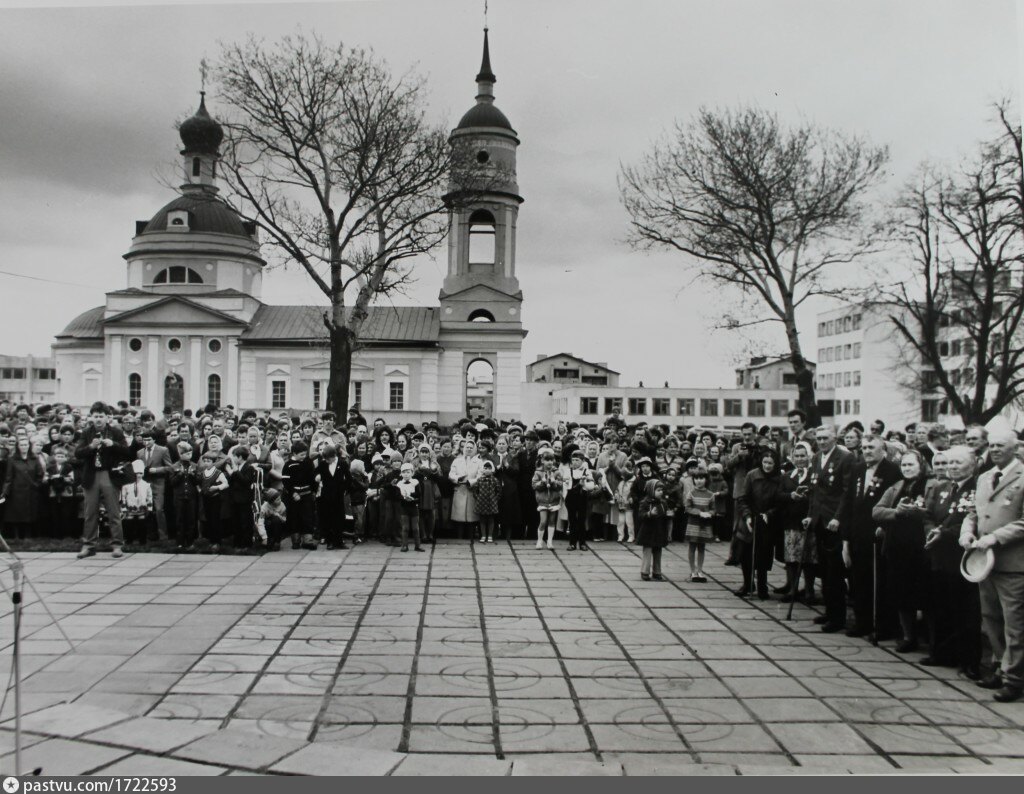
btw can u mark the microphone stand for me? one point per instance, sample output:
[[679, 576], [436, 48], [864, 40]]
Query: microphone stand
[[17, 568]]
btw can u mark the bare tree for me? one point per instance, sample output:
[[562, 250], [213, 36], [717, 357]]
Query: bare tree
[[958, 305], [331, 156], [771, 212]]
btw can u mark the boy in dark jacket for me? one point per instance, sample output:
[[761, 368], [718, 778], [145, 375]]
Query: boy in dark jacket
[[407, 493], [299, 482], [184, 481]]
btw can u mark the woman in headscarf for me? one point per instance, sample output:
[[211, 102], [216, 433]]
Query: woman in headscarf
[[900, 514], [800, 551], [760, 510], [464, 473]]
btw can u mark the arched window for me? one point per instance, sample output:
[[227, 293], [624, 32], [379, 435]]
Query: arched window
[[178, 275], [481, 238], [213, 390], [481, 316], [135, 389]]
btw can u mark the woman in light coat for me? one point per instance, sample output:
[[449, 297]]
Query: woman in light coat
[[464, 473]]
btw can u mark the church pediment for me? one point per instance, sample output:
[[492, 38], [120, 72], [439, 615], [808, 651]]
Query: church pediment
[[173, 311], [480, 292]]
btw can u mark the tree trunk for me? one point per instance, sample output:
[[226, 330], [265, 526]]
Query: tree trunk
[[341, 363], [804, 377]]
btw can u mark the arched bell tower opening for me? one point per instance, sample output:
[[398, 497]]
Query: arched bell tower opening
[[482, 241], [480, 389]]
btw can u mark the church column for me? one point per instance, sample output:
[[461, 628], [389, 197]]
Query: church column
[[154, 393], [509, 236], [117, 386], [230, 389], [195, 385]]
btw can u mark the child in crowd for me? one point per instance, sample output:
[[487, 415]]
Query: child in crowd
[[358, 483], [212, 482], [136, 506], [488, 501], [409, 492], [625, 524], [299, 485], [61, 476], [547, 485], [576, 501], [654, 529], [719, 486], [241, 480], [374, 518], [275, 518], [184, 482], [700, 506]]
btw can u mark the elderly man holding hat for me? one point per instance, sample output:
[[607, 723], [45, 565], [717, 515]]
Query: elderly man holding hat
[[997, 523]]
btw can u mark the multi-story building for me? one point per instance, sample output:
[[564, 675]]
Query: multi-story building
[[567, 368], [768, 373], [28, 379]]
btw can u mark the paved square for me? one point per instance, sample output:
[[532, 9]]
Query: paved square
[[493, 659]]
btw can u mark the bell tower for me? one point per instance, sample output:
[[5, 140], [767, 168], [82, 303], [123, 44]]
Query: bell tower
[[481, 302]]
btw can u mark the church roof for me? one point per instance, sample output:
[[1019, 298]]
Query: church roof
[[412, 325], [402, 324], [87, 325], [206, 214], [484, 115]]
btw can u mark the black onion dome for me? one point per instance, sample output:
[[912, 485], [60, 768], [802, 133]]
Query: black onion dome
[[201, 133], [206, 214], [484, 115]]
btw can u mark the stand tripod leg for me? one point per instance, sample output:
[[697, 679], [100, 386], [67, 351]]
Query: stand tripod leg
[[16, 602]]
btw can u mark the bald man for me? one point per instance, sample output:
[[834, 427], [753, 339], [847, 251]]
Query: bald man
[[997, 523]]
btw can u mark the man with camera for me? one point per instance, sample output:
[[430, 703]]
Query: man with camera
[[101, 452]]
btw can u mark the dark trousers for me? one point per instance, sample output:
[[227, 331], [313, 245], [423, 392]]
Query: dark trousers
[[185, 514], [213, 522], [862, 583], [410, 523], [954, 620], [576, 505], [427, 525], [243, 525], [833, 577], [330, 522], [301, 517]]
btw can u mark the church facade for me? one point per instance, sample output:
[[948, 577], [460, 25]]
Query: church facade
[[191, 328]]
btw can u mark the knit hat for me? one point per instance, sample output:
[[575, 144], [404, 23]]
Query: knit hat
[[376, 459], [651, 486], [271, 494]]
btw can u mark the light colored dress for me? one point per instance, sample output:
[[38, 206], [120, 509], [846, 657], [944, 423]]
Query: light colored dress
[[463, 500]]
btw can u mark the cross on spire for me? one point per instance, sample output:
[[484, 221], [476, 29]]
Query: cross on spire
[[203, 69]]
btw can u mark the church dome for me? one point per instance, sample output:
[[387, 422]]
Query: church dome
[[206, 214], [201, 133], [484, 115]]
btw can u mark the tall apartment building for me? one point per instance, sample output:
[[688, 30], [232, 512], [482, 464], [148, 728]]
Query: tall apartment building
[[29, 379]]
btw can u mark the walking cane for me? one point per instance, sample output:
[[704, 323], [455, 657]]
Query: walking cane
[[874, 592]]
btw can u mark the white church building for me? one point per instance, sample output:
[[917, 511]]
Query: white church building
[[190, 327]]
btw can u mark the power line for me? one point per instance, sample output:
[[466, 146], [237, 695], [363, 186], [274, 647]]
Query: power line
[[47, 280]]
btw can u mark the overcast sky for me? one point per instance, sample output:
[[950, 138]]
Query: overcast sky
[[90, 97]]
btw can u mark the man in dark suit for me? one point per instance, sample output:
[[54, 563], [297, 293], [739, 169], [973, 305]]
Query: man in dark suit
[[828, 505], [158, 464], [797, 421], [976, 438], [101, 449], [955, 615], [527, 496], [872, 477]]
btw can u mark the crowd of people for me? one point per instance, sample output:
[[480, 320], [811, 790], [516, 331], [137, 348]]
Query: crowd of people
[[881, 519]]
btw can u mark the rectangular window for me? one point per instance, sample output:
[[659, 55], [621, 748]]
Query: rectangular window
[[734, 407], [357, 393], [317, 394], [821, 354], [821, 332], [847, 378], [278, 394], [838, 352], [846, 406], [943, 348], [588, 405], [856, 322], [847, 351], [13, 373], [684, 406], [856, 349], [46, 374], [830, 328], [709, 407], [612, 405], [637, 406], [929, 410], [134, 389], [848, 323], [755, 407], [856, 406], [856, 378], [566, 374], [780, 407], [396, 396], [954, 347], [595, 380], [789, 379], [661, 406]]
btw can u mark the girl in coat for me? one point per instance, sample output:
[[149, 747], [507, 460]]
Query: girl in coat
[[900, 514], [22, 483], [653, 531], [700, 511], [624, 505], [488, 500], [547, 486], [464, 473]]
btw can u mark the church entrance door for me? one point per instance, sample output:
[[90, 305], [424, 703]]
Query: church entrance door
[[174, 392]]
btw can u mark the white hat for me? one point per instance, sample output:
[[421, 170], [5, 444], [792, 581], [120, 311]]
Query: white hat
[[977, 564]]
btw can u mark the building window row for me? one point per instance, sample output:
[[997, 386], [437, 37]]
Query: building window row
[[12, 373], [837, 380], [839, 352], [847, 407], [842, 325], [685, 406]]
